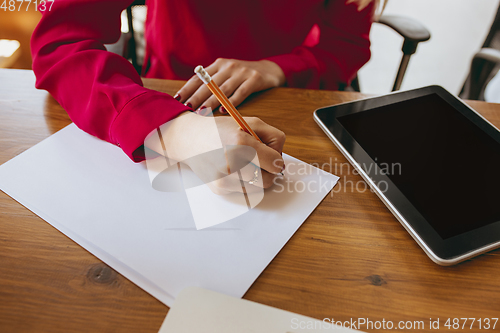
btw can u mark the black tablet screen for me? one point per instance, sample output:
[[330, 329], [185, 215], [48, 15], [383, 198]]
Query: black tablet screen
[[443, 163]]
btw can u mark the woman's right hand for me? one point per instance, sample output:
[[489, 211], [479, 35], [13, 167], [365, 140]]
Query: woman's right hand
[[215, 148]]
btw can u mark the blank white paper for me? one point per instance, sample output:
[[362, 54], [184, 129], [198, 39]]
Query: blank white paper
[[218, 313], [90, 191]]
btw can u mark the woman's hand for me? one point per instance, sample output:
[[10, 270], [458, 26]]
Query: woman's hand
[[216, 149], [236, 78]]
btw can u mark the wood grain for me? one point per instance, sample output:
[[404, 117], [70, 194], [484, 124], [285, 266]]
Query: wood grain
[[350, 259]]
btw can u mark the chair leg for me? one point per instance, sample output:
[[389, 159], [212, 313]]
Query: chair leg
[[401, 72]]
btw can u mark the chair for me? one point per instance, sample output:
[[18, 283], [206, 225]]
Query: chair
[[131, 47], [413, 32], [131, 44], [484, 65]]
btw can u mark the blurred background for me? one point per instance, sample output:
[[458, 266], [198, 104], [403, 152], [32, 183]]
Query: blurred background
[[18, 25], [458, 29]]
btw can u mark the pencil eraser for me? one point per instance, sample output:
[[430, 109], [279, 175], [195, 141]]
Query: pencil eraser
[[202, 74]]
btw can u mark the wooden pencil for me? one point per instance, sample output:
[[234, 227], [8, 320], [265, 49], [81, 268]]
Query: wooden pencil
[[224, 101]]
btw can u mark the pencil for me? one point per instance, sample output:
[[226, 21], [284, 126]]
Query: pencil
[[224, 101]]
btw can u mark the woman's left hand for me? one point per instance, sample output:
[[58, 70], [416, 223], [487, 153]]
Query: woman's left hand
[[236, 78]]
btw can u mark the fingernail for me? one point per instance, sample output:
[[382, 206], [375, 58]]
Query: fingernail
[[189, 105], [206, 111], [201, 110], [282, 173], [222, 110], [177, 97]]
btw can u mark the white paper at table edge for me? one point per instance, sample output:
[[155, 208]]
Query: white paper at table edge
[[127, 272], [199, 303]]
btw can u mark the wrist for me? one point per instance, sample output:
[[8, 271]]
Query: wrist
[[275, 70], [186, 136], [163, 144]]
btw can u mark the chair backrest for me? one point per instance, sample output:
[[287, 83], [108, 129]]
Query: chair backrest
[[413, 33], [483, 65]]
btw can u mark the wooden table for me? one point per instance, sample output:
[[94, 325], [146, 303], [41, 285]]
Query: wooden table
[[350, 259]]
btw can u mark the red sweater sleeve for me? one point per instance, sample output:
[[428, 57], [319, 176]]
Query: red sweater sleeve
[[101, 91], [342, 49]]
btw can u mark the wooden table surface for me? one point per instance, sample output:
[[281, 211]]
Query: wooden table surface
[[350, 259]]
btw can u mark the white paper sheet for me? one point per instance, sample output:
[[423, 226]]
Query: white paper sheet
[[201, 310], [89, 190]]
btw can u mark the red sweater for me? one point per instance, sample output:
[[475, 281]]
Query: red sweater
[[103, 94]]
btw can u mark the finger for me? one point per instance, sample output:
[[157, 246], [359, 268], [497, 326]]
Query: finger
[[269, 158], [250, 174], [196, 100], [234, 84], [204, 111], [192, 85], [212, 102], [188, 89], [228, 88], [268, 179], [245, 89], [202, 94], [251, 189], [269, 135], [230, 184], [247, 172], [264, 179]]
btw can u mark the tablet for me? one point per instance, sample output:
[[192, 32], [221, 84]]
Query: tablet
[[434, 162]]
